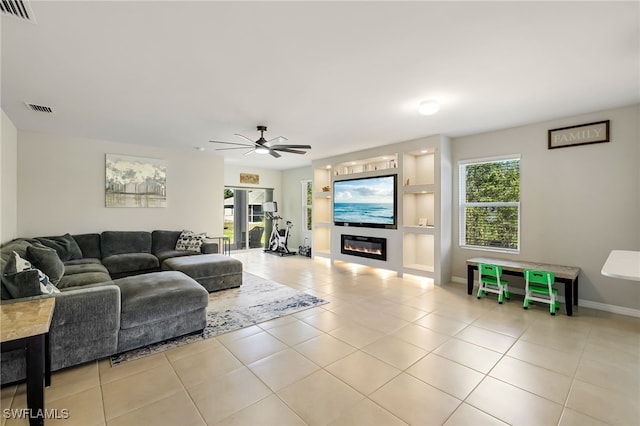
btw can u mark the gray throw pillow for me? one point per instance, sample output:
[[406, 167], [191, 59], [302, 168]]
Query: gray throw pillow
[[21, 279], [22, 284], [47, 260], [65, 245]]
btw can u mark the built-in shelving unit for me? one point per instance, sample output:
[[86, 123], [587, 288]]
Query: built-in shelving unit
[[322, 205], [421, 243], [366, 165]]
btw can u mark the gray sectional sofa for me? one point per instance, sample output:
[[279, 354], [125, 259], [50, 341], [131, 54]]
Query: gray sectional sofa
[[114, 294]]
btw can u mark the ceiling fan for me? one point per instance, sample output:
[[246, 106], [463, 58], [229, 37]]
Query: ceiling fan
[[263, 146]]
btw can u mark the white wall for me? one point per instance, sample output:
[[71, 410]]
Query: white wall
[[292, 203], [268, 179], [8, 180], [61, 187], [577, 203]]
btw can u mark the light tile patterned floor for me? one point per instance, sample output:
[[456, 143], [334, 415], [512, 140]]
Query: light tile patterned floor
[[385, 351]]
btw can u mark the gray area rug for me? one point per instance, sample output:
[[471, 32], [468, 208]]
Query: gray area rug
[[255, 301]]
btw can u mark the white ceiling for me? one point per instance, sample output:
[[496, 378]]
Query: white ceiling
[[338, 76]]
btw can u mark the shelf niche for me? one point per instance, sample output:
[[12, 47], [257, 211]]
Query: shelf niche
[[372, 164], [419, 251], [417, 206], [322, 209], [321, 179], [321, 241], [419, 168]]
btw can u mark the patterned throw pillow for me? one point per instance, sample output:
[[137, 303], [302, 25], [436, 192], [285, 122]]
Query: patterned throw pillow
[[190, 241]]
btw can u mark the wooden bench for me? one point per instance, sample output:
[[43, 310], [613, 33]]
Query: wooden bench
[[564, 274]]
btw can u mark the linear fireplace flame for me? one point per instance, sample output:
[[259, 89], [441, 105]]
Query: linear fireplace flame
[[358, 248], [370, 247]]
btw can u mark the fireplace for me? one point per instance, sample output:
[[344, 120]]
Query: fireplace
[[370, 247]]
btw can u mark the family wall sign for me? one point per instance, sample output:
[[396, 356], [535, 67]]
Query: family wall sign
[[582, 134]]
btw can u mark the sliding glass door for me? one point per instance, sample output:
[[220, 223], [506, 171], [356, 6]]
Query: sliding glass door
[[244, 220]]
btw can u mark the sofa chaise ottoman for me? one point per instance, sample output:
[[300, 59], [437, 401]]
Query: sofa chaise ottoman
[[213, 271], [158, 306]]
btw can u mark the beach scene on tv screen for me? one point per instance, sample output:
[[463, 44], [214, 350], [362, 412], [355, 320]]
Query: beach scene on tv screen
[[364, 201]]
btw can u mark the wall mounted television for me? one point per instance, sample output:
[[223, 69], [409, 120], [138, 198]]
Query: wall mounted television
[[369, 202]]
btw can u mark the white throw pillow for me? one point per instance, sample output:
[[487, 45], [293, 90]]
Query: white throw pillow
[[190, 241]]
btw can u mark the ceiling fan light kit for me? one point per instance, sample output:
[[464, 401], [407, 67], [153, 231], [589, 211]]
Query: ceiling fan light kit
[[263, 146], [429, 107]]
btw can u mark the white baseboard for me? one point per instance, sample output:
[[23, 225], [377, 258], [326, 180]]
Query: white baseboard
[[581, 302]]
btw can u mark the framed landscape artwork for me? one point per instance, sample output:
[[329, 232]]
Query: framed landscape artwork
[[135, 181], [249, 178]]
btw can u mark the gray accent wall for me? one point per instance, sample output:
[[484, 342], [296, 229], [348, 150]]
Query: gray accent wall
[[577, 203]]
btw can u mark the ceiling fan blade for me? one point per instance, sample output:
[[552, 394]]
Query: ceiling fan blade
[[227, 149], [292, 151], [244, 137], [232, 143], [272, 146], [295, 146], [279, 137]]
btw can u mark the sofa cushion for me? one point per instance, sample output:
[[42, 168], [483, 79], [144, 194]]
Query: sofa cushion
[[89, 245], [82, 274], [156, 296], [130, 262], [213, 271], [65, 245], [83, 268], [47, 260], [83, 261], [83, 279], [168, 254], [164, 240], [120, 242], [6, 251]]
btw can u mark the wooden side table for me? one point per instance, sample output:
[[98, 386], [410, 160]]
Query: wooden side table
[[25, 325]]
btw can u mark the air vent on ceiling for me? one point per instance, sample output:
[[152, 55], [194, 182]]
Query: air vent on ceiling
[[39, 108], [17, 8]]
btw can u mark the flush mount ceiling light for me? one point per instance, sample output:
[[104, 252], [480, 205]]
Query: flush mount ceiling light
[[429, 107]]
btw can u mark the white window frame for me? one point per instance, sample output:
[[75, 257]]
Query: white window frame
[[306, 233], [462, 204]]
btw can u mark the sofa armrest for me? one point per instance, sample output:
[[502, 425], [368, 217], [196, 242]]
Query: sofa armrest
[[85, 325], [209, 248], [88, 304]]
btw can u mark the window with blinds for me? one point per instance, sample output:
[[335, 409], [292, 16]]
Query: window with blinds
[[490, 204]]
